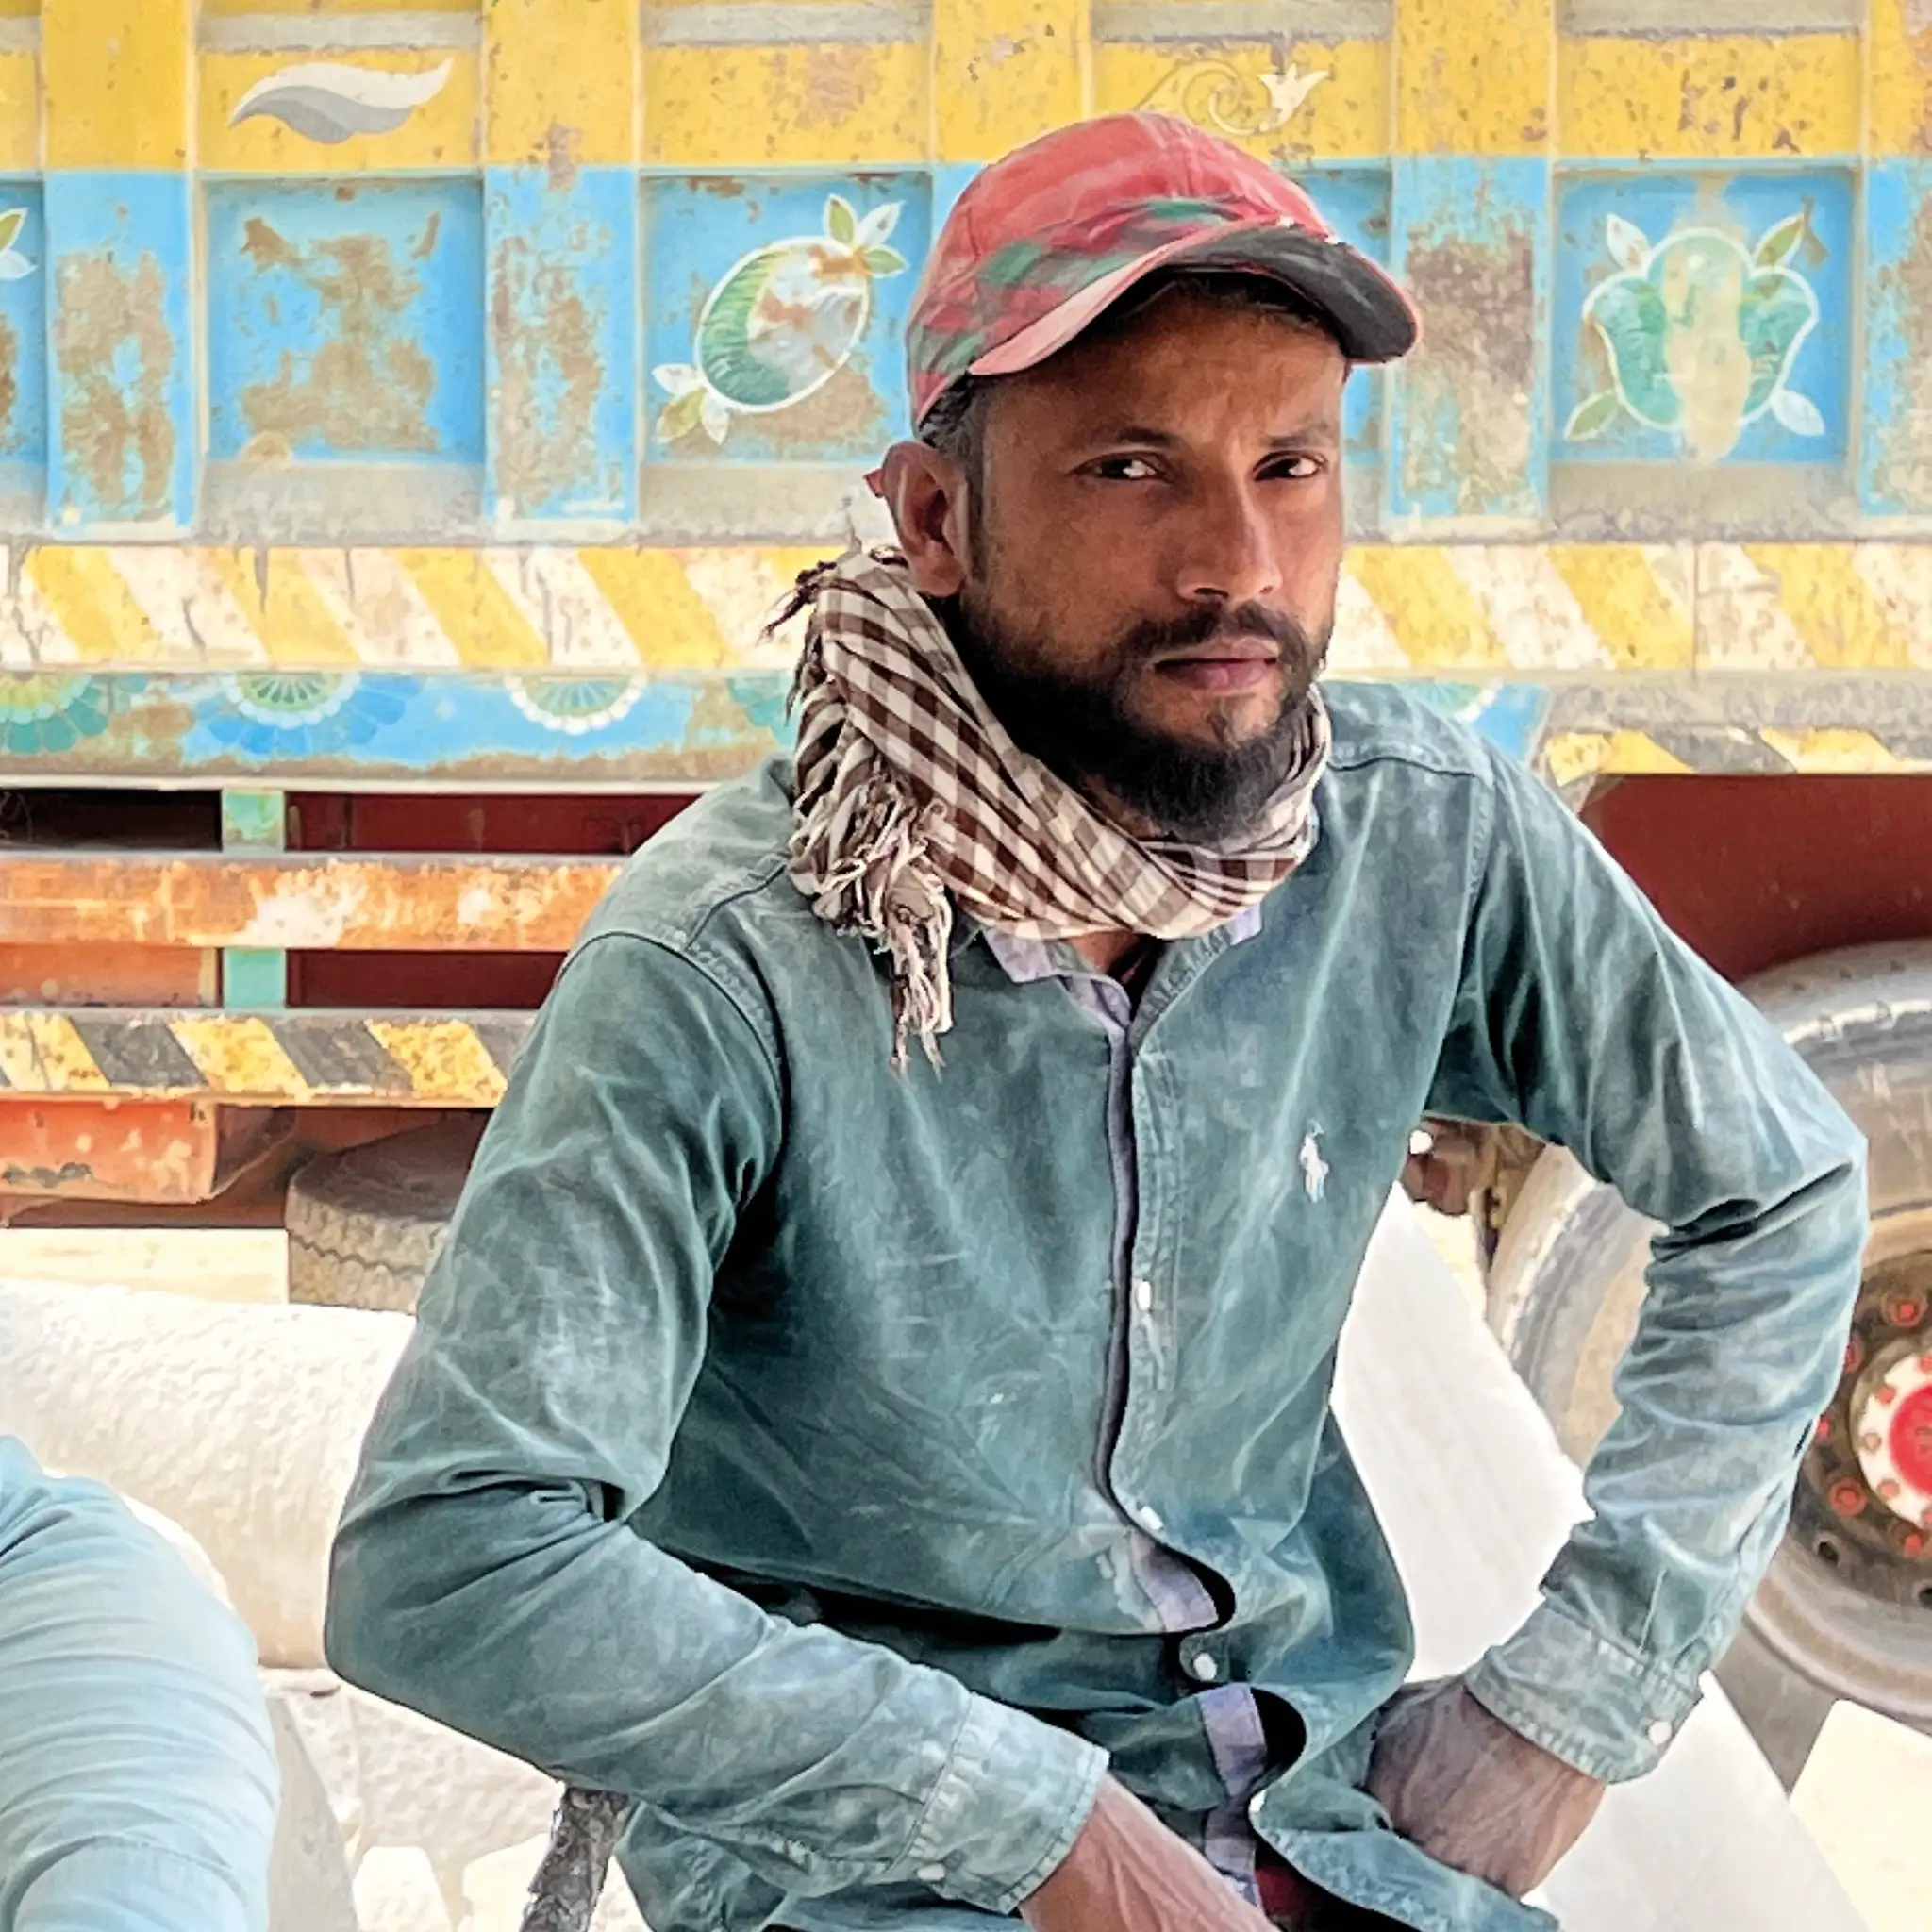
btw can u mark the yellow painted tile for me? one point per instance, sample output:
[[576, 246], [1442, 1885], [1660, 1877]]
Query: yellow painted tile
[[478, 616], [1827, 602], [668, 622], [1570, 756], [1005, 72], [441, 132], [1900, 66], [560, 82], [20, 9], [1473, 76], [1832, 750], [239, 1056], [850, 101], [1313, 98], [296, 627], [1642, 621], [116, 82], [44, 1053], [443, 1058], [87, 597], [1431, 613], [1709, 96], [20, 111], [231, 9]]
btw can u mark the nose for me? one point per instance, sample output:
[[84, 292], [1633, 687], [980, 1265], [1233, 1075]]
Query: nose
[[1229, 554]]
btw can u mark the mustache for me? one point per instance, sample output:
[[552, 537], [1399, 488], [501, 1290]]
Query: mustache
[[1211, 625]]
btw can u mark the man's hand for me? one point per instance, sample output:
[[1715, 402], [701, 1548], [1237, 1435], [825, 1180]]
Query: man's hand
[[1128, 1873], [1474, 1793]]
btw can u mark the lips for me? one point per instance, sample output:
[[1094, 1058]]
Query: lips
[[1235, 664]]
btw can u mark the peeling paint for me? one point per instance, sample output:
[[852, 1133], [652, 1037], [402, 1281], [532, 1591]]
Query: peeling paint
[[367, 385], [1902, 457], [1468, 434], [9, 381], [549, 377], [116, 357]]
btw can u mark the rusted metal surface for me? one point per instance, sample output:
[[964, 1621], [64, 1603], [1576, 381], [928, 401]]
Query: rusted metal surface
[[137, 1150], [370, 904], [114, 974]]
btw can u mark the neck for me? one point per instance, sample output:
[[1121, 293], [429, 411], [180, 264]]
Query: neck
[[1106, 950]]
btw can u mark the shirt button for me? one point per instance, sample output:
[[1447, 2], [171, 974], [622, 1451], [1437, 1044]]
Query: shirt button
[[1143, 1295], [931, 1875], [1660, 1733], [1205, 1668], [1150, 1518]]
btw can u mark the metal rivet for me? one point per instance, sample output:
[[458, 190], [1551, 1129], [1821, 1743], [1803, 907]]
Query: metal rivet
[[1205, 1668], [1660, 1733], [931, 1875], [1143, 1295], [1151, 1518]]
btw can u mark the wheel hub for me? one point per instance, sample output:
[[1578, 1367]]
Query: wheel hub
[[1892, 1421]]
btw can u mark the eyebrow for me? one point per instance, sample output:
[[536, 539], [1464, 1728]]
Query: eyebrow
[[1327, 424]]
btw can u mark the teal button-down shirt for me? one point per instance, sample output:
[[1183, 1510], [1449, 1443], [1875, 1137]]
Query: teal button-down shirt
[[137, 1775], [808, 1451]]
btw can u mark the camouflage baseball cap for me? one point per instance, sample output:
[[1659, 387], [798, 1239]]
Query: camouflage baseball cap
[[1045, 240]]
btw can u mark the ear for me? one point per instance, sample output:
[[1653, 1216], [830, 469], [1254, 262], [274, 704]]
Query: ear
[[926, 493]]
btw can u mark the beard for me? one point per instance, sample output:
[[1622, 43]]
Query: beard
[[1085, 730]]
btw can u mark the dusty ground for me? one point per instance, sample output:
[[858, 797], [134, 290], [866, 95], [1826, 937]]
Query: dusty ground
[[1866, 1793]]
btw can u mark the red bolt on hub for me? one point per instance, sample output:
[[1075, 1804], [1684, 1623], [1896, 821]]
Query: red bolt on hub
[[1912, 1544], [1823, 1432], [1848, 1498]]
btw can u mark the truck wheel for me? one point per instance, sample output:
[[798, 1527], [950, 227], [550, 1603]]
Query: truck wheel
[[364, 1226], [1846, 1610]]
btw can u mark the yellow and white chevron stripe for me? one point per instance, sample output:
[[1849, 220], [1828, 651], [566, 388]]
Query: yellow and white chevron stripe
[[1546, 610]]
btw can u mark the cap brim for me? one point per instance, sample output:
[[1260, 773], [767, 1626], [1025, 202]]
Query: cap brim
[[1373, 318]]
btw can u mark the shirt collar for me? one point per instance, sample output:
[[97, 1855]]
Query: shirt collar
[[1024, 960]]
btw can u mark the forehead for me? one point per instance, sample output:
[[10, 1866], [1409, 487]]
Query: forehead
[[1180, 355]]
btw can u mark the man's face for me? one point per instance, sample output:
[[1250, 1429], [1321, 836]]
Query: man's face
[[1147, 587]]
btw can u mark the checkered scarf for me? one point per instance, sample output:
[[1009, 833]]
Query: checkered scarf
[[910, 795]]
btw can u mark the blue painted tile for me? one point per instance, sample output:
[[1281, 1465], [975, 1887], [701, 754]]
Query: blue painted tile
[[345, 323], [1703, 315], [775, 313], [124, 428], [562, 344]]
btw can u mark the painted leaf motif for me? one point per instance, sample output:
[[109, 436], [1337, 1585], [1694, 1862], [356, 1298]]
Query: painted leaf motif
[[680, 378], [1630, 245], [1799, 414], [1593, 416], [883, 261], [878, 224], [841, 224], [1777, 313], [680, 417], [714, 417], [1778, 244], [14, 265], [1629, 313], [725, 355], [10, 223]]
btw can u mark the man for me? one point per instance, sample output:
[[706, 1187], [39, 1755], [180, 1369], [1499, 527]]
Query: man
[[137, 1775], [873, 1408]]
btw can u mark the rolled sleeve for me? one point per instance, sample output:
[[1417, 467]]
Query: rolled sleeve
[[1601, 1709], [1005, 1810]]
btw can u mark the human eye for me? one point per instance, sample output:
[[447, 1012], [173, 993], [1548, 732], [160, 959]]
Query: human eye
[[1124, 469], [1296, 466]]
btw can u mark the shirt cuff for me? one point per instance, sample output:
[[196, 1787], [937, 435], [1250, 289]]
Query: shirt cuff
[[1007, 1809], [1602, 1709]]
